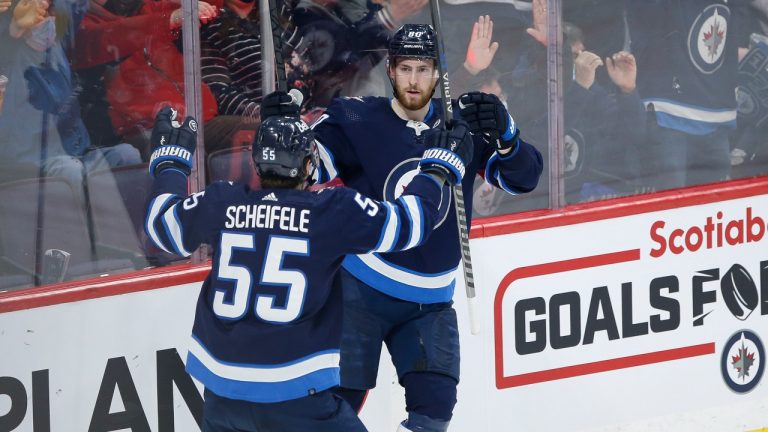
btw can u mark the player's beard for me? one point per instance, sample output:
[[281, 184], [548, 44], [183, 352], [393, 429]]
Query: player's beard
[[410, 103]]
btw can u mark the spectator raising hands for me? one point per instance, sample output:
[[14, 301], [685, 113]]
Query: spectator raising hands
[[28, 14], [539, 30], [481, 50], [477, 73], [622, 69], [585, 64]]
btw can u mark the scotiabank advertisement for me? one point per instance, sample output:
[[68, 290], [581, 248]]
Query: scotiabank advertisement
[[656, 320]]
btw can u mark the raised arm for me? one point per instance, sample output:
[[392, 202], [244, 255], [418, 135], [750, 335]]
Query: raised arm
[[173, 148]]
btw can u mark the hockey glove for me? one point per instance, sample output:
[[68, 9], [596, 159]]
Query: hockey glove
[[485, 113], [173, 145], [280, 104], [447, 152]]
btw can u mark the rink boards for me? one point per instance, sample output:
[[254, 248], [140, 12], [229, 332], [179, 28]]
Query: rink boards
[[634, 315]]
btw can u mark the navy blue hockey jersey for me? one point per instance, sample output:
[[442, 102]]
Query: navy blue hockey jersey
[[362, 141], [268, 319], [687, 58]]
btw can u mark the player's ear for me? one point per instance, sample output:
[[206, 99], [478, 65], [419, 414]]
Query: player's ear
[[391, 63]]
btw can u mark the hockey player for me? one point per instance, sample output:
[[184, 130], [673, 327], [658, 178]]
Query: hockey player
[[374, 144], [267, 329]]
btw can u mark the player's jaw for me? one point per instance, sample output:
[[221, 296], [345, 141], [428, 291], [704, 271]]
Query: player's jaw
[[413, 96]]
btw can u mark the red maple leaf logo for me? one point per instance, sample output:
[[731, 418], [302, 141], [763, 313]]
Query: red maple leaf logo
[[743, 361], [714, 38]]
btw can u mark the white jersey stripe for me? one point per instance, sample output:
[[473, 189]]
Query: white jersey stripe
[[414, 212], [691, 113], [391, 230], [154, 209], [173, 227], [416, 280], [263, 373], [503, 184], [326, 158]]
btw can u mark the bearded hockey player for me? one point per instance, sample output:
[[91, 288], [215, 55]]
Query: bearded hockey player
[[374, 144], [267, 329]]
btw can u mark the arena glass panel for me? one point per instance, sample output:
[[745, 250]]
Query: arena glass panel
[[342, 51], [83, 81], [517, 74], [662, 95]]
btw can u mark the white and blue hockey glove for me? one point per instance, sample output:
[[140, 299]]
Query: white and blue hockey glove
[[448, 151], [485, 113], [173, 144]]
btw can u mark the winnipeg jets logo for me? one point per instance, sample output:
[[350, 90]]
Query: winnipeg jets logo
[[574, 146], [707, 37], [743, 361], [714, 38], [399, 178]]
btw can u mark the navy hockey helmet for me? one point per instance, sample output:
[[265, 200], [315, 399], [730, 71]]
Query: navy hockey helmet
[[282, 147], [413, 40]]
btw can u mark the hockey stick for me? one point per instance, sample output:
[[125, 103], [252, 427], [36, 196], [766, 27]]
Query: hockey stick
[[458, 193], [277, 44], [276, 76]]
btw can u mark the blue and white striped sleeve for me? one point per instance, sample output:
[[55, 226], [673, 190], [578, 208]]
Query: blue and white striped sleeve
[[170, 216], [326, 170], [388, 226], [517, 172]]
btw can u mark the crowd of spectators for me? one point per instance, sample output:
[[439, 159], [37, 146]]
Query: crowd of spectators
[[657, 94]]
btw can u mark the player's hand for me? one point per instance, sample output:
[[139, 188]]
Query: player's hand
[[279, 103], [485, 113], [448, 152], [173, 144]]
